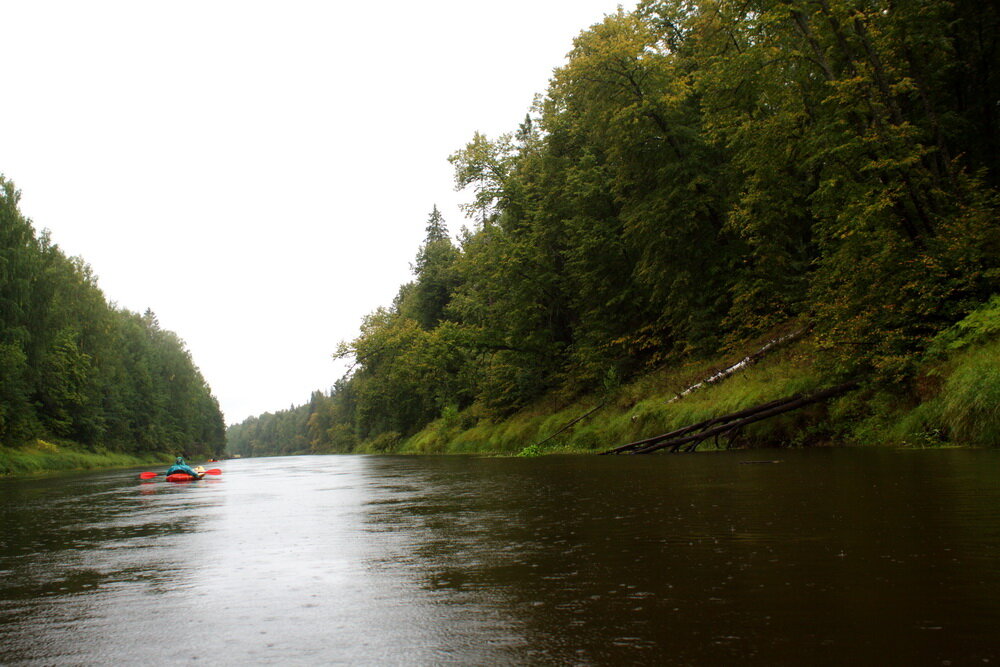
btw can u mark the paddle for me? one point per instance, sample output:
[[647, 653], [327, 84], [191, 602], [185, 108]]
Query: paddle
[[151, 475]]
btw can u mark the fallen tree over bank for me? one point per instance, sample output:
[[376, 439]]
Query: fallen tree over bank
[[689, 437], [744, 363]]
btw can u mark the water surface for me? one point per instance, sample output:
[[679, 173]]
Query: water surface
[[827, 557]]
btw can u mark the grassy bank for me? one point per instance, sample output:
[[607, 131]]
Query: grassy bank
[[954, 400], [635, 411], [41, 456]]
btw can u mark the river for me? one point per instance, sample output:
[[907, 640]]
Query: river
[[831, 556]]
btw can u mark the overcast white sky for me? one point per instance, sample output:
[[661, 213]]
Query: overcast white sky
[[260, 173]]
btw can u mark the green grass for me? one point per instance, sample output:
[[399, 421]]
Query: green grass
[[637, 410], [970, 400], [956, 401], [41, 456]]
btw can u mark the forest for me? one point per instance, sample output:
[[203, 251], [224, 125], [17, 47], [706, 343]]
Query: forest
[[700, 175], [79, 373]]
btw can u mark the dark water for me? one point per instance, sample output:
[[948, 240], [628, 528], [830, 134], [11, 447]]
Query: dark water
[[829, 557]]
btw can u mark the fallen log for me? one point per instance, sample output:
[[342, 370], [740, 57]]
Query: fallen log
[[692, 442], [699, 426], [747, 361], [728, 424]]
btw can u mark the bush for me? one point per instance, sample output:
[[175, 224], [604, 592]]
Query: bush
[[384, 443], [980, 325]]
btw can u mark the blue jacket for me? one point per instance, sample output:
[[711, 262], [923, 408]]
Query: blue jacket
[[180, 466]]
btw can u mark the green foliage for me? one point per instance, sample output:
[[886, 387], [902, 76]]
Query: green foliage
[[383, 443], [977, 327], [956, 403], [698, 173], [970, 398], [426, 299], [281, 433], [484, 167], [74, 368], [531, 451], [16, 414]]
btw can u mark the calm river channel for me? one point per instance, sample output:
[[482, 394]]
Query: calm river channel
[[834, 556]]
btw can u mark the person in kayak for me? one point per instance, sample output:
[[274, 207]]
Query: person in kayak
[[180, 466]]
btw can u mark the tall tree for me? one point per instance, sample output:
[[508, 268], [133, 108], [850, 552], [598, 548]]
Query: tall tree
[[435, 276]]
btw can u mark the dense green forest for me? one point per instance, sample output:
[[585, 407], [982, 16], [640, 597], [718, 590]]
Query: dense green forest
[[78, 372], [699, 174]]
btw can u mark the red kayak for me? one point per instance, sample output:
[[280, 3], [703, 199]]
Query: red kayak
[[184, 477], [181, 476]]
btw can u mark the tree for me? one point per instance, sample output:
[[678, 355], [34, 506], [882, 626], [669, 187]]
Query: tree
[[435, 281]]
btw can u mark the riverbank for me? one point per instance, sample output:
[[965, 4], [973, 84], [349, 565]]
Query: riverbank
[[42, 457], [638, 410], [944, 392], [952, 400]]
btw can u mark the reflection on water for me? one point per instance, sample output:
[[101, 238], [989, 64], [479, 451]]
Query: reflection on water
[[828, 557]]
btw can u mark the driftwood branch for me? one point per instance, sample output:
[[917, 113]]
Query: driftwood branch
[[717, 427]]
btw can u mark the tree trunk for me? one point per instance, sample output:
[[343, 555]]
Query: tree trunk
[[730, 423]]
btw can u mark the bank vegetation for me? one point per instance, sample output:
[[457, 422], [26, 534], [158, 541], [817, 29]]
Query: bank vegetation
[[84, 383], [701, 177]]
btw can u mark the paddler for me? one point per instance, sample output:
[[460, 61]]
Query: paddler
[[180, 466]]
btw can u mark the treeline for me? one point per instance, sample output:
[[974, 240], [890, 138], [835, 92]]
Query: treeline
[[698, 172], [75, 369], [292, 431]]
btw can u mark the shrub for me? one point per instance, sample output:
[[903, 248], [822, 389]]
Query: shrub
[[384, 443]]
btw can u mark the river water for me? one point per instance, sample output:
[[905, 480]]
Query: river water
[[834, 556]]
